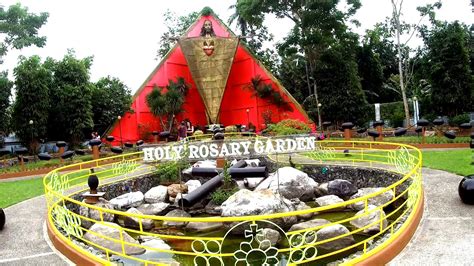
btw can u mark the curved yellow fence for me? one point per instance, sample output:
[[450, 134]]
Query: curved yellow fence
[[301, 247]]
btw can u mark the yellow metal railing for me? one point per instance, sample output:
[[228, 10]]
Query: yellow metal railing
[[62, 184]]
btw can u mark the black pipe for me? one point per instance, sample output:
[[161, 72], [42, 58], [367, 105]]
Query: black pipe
[[248, 172], [234, 172], [207, 187], [204, 171]]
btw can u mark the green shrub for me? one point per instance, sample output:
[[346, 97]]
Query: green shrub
[[459, 119], [288, 127], [169, 171], [220, 195]]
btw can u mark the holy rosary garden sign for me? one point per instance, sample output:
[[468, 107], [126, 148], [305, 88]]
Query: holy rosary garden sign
[[228, 148]]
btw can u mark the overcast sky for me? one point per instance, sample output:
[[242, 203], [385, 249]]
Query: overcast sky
[[123, 35]]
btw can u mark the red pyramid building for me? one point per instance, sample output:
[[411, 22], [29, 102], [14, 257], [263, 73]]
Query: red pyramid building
[[239, 104]]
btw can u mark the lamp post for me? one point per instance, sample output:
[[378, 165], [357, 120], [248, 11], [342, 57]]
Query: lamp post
[[31, 122], [248, 119], [120, 128], [319, 114]]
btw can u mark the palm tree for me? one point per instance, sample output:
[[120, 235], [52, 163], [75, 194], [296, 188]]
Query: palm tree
[[242, 24]]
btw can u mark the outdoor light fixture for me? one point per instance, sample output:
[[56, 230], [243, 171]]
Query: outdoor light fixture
[[120, 128], [248, 119], [31, 122]]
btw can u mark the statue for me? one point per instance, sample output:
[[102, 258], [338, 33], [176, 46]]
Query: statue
[[208, 32]]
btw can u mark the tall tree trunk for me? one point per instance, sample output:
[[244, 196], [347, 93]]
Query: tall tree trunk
[[396, 16]]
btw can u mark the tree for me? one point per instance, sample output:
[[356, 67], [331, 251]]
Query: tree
[[399, 27], [255, 36], [70, 95], [166, 104], [176, 26], [32, 100], [110, 98], [319, 27], [370, 72], [450, 74], [377, 54], [5, 92], [20, 29]]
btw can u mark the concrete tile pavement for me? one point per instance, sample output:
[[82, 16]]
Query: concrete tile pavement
[[446, 232]]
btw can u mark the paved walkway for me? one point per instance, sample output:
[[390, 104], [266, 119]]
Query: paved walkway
[[23, 239], [446, 232], [445, 235]]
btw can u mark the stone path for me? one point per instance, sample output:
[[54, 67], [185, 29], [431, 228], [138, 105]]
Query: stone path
[[445, 235]]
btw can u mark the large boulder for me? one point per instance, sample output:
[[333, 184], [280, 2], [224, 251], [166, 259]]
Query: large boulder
[[299, 206], [246, 202], [152, 255], [329, 200], [192, 185], [321, 190], [153, 209], [200, 227], [176, 213], [369, 218], [106, 230], [376, 201], [291, 183], [95, 214], [156, 194], [273, 237], [175, 189], [133, 222], [327, 232], [341, 188], [332, 231], [128, 200], [309, 224]]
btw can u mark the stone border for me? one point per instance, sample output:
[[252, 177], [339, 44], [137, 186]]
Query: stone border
[[75, 256], [390, 251]]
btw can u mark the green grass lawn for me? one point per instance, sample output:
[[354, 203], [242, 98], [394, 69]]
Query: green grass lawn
[[454, 161], [16, 191]]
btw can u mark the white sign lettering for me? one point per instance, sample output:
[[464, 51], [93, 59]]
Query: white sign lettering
[[203, 150]]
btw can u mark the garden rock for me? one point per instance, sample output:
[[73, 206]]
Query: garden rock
[[192, 185], [299, 205], [176, 213], [373, 217], [293, 183], [321, 190], [331, 232], [156, 194], [329, 200], [200, 227], [110, 230], [273, 237], [341, 188], [205, 164], [376, 201], [154, 208], [133, 222], [174, 189], [132, 199], [160, 257], [246, 202], [213, 209], [309, 224], [95, 214]]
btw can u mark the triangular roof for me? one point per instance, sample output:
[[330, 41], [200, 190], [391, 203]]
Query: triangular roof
[[221, 30]]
